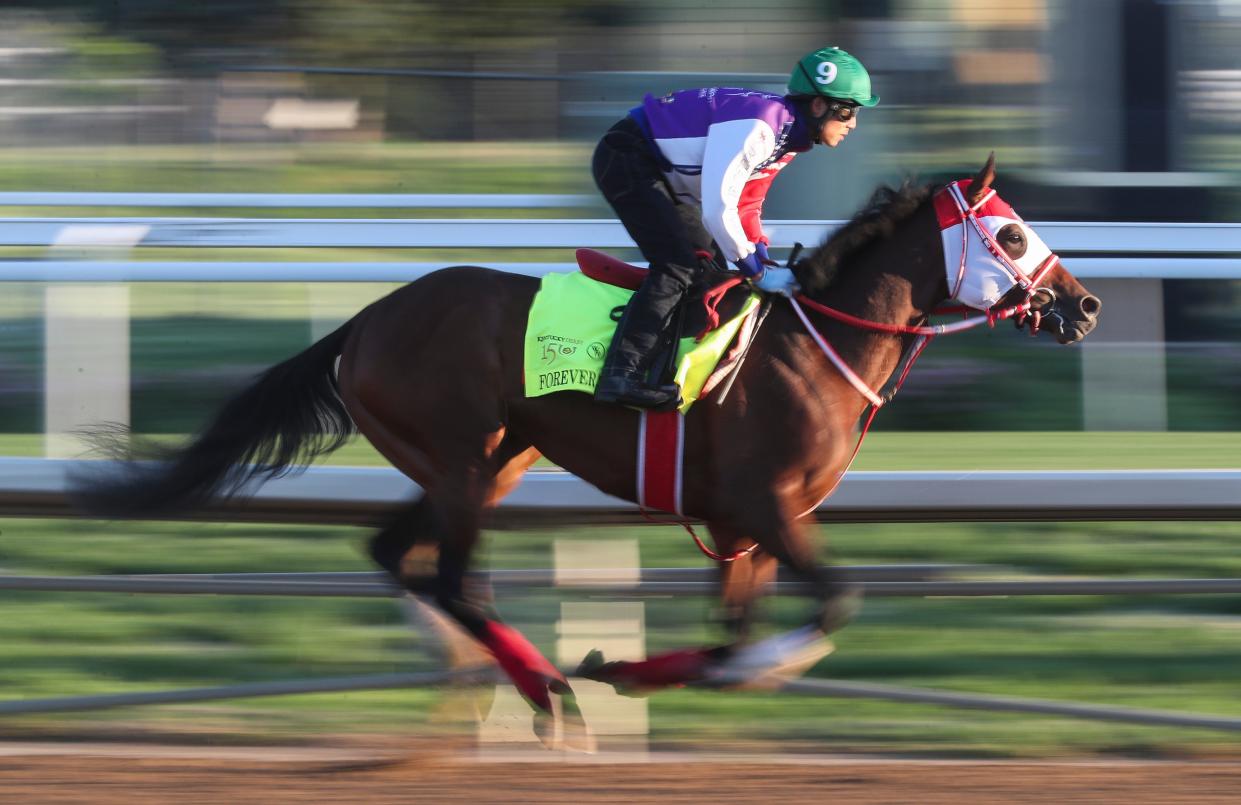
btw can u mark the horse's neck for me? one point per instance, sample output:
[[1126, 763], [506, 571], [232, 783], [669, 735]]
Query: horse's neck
[[896, 286]]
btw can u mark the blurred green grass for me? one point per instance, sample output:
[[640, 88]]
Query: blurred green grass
[[1171, 653]]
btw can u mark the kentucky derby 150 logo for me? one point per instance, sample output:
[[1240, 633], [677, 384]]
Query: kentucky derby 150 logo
[[555, 346]]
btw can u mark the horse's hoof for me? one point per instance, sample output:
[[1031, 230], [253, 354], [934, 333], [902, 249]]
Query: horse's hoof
[[563, 728], [591, 664], [771, 662], [595, 668], [575, 735]]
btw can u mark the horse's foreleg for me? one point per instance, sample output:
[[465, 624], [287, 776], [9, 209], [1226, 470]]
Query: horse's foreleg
[[785, 655], [788, 541], [742, 581], [837, 600]]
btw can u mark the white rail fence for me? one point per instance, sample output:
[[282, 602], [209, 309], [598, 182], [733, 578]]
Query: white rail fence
[[87, 260], [1097, 250], [366, 496], [1091, 251], [669, 581]]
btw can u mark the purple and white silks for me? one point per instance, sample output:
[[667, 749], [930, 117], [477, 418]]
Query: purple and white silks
[[725, 145]]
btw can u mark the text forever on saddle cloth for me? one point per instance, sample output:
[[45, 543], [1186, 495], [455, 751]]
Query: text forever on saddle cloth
[[570, 328]]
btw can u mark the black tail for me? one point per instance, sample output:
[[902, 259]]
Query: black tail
[[291, 414]]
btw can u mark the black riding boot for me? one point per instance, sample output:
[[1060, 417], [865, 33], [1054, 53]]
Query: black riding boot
[[638, 334]]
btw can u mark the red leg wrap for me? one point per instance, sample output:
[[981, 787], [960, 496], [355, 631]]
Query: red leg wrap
[[673, 668], [530, 670]]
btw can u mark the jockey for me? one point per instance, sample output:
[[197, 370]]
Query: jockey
[[688, 172]]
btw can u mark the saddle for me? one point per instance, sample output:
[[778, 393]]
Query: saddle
[[715, 295], [573, 317]]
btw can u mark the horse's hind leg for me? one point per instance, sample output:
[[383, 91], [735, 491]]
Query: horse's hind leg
[[424, 377], [391, 546], [417, 524], [449, 514], [458, 505]]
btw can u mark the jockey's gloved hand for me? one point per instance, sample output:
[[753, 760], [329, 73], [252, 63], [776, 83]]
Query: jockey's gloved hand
[[764, 259], [750, 266], [777, 280]]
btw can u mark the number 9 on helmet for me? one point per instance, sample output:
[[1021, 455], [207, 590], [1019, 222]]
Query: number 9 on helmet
[[832, 73]]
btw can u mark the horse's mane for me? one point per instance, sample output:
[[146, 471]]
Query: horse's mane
[[888, 207]]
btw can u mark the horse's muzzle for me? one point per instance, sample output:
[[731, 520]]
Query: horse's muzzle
[[1087, 316], [1068, 320]]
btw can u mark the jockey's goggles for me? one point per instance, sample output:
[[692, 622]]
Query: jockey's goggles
[[842, 111]]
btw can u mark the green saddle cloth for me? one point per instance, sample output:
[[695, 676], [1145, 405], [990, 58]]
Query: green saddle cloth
[[570, 328]]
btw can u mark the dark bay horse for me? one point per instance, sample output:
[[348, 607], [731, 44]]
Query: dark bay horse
[[432, 376]]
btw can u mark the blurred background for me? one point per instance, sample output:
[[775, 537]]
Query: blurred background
[[1100, 111], [1112, 110]]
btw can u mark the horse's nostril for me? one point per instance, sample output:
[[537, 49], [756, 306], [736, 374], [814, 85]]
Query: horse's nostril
[[1090, 306]]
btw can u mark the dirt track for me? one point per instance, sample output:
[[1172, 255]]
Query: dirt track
[[132, 775]]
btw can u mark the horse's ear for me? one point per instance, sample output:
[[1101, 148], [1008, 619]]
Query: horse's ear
[[982, 182]]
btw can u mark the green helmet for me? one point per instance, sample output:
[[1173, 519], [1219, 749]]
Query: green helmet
[[833, 73]]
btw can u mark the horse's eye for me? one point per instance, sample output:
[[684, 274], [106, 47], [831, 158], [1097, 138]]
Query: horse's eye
[[1014, 236]]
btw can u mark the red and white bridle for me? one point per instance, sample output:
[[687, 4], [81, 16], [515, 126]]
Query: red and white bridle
[[980, 277], [977, 278]]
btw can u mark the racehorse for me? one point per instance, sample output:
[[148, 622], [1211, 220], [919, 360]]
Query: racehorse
[[432, 376]]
